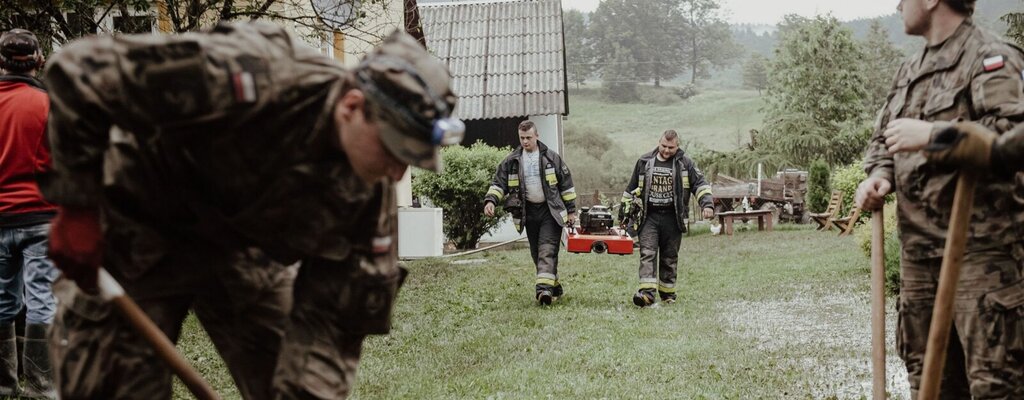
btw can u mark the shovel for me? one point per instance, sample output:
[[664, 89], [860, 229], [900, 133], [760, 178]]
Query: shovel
[[877, 305], [111, 291], [949, 274]]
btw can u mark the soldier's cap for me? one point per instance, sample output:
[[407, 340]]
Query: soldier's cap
[[410, 90], [19, 50]]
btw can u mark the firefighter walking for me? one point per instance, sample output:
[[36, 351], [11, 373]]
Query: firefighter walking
[[657, 196], [535, 186]]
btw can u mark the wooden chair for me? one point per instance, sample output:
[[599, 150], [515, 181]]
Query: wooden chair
[[846, 224], [825, 219]]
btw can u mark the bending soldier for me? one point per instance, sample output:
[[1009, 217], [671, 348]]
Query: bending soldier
[[197, 167]]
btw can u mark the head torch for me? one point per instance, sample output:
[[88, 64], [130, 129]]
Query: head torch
[[443, 130]]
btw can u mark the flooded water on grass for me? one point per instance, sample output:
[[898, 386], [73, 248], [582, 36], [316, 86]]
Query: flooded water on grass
[[825, 336]]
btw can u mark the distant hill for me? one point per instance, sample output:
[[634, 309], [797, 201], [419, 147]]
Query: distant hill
[[761, 38]]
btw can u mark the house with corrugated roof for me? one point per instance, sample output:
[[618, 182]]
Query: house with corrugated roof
[[507, 59]]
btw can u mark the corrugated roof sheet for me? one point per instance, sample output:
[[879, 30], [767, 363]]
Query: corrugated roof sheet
[[507, 58]]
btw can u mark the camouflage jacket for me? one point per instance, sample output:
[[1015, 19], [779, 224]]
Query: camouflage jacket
[[224, 137], [973, 75]]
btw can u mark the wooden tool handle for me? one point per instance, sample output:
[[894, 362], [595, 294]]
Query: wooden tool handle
[[942, 314], [877, 305]]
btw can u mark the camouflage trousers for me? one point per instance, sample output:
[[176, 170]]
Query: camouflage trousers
[[544, 235], [985, 355], [284, 332], [660, 237]]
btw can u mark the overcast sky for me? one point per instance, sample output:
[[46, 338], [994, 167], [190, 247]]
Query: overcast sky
[[771, 11]]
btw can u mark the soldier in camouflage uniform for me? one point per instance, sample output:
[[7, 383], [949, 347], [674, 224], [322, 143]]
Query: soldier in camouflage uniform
[[214, 161], [963, 73]]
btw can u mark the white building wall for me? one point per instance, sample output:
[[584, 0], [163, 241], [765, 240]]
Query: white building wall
[[549, 127]]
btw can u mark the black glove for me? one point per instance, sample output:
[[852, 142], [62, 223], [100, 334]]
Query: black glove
[[964, 145]]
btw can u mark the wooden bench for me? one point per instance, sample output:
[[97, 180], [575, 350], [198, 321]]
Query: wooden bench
[[764, 219]]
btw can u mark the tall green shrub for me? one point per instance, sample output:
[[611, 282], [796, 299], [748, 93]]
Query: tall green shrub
[[818, 190], [846, 179], [460, 190]]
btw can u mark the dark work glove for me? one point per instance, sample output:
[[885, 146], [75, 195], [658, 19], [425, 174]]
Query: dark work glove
[[75, 244], [966, 145]]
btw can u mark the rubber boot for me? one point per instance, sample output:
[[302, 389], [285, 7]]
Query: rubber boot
[[36, 364], [8, 361]]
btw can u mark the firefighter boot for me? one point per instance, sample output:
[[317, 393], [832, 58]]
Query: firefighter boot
[[557, 292], [643, 298], [36, 364], [544, 297], [8, 361], [667, 298]]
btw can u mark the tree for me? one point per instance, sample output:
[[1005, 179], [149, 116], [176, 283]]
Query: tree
[[634, 40], [818, 189], [578, 54], [755, 72], [62, 21], [459, 190], [882, 59], [707, 38], [816, 92], [1015, 26]]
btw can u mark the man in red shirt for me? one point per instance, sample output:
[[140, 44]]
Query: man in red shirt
[[26, 274]]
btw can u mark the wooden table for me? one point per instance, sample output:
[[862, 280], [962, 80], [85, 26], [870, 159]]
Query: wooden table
[[764, 219]]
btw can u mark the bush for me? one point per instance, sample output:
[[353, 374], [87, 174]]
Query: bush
[[460, 190], [686, 91], [818, 191], [846, 179], [621, 92], [597, 164], [661, 96], [892, 247]]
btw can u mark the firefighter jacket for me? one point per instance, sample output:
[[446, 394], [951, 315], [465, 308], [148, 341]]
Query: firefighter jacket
[[559, 191], [686, 179], [973, 75]]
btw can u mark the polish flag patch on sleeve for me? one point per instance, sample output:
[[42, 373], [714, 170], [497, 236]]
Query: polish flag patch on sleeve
[[245, 87], [993, 63]]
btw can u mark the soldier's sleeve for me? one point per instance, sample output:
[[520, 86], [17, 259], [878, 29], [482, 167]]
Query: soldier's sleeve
[[80, 78], [499, 184], [997, 88], [878, 163], [699, 186], [566, 187]]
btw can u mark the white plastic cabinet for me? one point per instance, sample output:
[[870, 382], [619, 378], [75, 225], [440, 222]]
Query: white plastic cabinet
[[419, 232]]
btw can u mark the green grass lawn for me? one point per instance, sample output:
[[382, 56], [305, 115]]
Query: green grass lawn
[[714, 118], [783, 314]]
